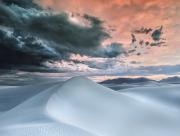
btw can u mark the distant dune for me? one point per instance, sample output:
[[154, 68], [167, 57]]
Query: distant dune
[[81, 107], [173, 80], [127, 80]]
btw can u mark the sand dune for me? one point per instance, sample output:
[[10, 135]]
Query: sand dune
[[81, 107]]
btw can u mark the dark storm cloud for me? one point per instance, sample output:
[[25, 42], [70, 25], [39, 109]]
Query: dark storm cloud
[[30, 35], [143, 30], [110, 51], [17, 49], [139, 40], [158, 44], [21, 3], [156, 35]]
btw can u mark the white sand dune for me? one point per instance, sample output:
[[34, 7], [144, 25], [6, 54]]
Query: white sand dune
[[81, 107]]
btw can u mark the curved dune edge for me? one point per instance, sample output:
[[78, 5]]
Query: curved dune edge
[[82, 107]]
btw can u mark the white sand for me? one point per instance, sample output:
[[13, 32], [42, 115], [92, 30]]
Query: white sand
[[81, 107]]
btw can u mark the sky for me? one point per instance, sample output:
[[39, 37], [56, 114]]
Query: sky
[[91, 37], [127, 15]]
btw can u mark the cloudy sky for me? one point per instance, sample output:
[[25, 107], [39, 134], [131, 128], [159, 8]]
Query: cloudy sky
[[108, 37]]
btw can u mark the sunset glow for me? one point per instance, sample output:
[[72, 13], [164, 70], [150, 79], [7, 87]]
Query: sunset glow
[[126, 15]]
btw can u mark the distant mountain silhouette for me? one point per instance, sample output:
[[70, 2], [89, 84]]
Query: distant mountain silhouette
[[174, 79], [127, 80]]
